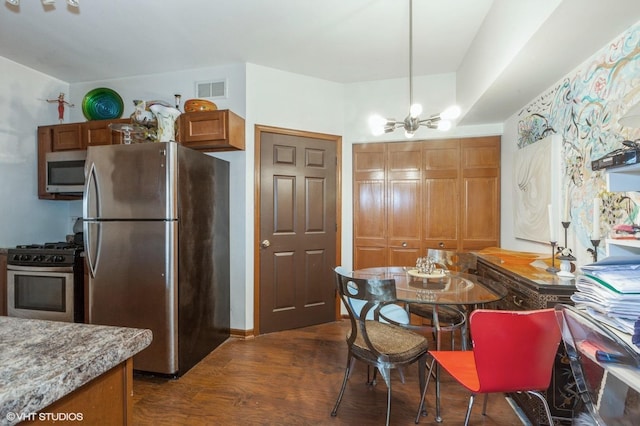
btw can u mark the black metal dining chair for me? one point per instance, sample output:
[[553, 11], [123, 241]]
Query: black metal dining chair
[[382, 345]]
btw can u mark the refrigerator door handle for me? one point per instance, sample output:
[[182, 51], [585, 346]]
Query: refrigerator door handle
[[91, 246], [90, 211]]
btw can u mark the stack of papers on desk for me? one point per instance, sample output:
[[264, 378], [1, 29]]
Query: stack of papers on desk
[[610, 291]]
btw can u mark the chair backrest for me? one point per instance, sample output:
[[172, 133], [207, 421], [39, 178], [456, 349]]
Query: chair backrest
[[587, 341], [392, 312], [514, 350], [372, 291]]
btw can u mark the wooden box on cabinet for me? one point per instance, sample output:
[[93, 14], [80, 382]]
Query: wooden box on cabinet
[[220, 130]]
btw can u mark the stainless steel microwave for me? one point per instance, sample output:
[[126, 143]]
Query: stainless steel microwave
[[65, 172]]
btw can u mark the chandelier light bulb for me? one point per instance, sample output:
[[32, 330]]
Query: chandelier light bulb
[[14, 2], [409, 134], [415, 110], [377, 123], [451, 113], [444, 125]]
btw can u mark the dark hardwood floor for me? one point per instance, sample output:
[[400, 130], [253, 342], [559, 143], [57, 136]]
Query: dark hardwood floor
[[293, 378]]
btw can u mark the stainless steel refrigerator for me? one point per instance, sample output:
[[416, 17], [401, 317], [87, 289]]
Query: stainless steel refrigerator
[[156, 235]]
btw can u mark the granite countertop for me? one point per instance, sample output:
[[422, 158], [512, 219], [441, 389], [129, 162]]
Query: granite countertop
[[42, 361]]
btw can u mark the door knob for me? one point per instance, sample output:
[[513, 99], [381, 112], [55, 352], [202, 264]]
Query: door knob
[[265, 243]]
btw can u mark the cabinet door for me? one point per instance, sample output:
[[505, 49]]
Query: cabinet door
[[440, 194], [67, 137], [220, 130], [480, 204], [369, 206], [98, 133], [403, 202]]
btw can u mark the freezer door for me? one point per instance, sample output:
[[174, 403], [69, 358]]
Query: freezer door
[[131, 182], [133, 283]]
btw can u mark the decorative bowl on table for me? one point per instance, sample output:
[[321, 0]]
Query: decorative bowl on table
[[195, 105]]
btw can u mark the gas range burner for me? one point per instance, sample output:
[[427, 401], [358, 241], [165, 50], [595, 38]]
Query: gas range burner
[[49, 246], [47, 254]]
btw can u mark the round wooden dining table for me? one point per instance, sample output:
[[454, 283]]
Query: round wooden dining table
[[441, 287]]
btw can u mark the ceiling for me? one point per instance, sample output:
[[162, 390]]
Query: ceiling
[[343, 41]]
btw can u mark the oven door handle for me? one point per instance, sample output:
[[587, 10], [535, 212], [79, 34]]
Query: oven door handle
[[64, 269]]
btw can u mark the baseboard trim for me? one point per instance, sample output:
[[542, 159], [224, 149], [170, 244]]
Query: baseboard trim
[[242, 334]]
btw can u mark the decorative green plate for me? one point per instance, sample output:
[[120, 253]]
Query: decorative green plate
[[102, 104]]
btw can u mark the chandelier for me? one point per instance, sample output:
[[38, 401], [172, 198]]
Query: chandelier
[[380, 125], [74, 3]]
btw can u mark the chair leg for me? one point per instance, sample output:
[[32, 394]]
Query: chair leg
[[401, 373], [468, 415], [544, 403], [421, 410], [484, 404], [347, 373], [386, 375]]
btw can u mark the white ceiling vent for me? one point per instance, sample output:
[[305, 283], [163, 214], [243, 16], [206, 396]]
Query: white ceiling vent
[[216, 89]]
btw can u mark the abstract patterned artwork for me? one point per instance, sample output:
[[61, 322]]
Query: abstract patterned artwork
[[583, 108]]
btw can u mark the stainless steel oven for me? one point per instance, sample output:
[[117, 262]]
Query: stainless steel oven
[[45, 282]]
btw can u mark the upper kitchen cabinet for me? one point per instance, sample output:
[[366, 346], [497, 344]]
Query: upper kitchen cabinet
[[220, 130], [73, 136], [98, 133]]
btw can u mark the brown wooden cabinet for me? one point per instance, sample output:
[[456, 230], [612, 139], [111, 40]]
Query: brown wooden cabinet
[[107, 399], [98, 133], [220, 130], [411, 196]]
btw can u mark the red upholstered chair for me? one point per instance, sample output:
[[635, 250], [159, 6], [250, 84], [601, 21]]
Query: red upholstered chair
[[513, 351]]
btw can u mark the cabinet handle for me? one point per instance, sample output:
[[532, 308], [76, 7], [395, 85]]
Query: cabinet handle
[[441, 244], [516, 302], [404, 244]]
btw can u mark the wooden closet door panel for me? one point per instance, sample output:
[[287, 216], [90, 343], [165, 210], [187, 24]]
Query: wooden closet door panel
[[441, 198], [480, 226], [369, 225], [441, 194], [404, 204], [369, 206]]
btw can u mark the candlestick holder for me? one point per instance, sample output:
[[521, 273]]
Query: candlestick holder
[[552, 269], [594, 250], [565, 225]]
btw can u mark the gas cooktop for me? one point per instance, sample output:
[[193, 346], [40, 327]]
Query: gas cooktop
[[47, 254]]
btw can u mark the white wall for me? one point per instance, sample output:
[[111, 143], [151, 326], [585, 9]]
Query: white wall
[[25, 219], [291, 101]]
